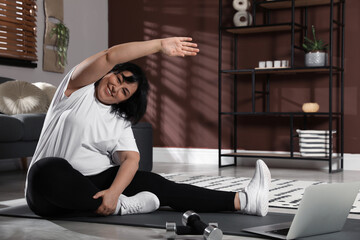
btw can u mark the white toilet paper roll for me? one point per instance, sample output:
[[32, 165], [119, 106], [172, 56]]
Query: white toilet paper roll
[[241, 5], [242, 18]]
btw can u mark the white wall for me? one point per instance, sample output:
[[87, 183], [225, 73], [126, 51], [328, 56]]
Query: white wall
[[210, 156], [88, 24]]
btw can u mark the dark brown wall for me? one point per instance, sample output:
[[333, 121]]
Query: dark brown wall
[[183, 101]]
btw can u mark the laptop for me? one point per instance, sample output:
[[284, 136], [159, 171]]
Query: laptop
[[323, 209]]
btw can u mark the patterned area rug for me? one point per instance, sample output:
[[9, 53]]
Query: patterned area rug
[[283, 193]]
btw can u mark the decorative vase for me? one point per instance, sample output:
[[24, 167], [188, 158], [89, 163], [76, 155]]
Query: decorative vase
[[316, 59], [310, 107]]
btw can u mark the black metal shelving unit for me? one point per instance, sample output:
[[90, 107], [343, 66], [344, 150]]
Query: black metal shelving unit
[[331, 70]]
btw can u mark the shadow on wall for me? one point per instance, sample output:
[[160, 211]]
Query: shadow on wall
[[184, 96], [183, 100]]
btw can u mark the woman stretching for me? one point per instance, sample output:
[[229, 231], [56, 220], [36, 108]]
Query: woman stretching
[[86, 160]]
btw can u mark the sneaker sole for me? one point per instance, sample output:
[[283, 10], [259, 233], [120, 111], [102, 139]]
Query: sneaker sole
[[265, 179]]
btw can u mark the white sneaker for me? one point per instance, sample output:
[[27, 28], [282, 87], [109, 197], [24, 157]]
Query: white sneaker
[[257, 192], [143, 202]]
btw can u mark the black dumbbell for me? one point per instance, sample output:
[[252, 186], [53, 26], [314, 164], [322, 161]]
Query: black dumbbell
[[193, 226], [209, 231]]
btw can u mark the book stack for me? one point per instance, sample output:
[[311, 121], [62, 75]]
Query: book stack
[[315, 143]]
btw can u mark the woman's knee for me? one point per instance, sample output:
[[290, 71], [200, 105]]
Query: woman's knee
[[46, 168], [51, 163]]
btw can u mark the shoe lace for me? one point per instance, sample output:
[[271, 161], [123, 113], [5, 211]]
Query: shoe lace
[[132, 207]]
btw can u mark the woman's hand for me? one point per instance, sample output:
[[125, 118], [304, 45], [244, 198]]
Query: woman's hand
[[179, 46], [109, 202]]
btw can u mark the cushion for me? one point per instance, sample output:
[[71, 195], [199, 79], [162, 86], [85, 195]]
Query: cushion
[[22, 97], [47, 88], [2, 80]]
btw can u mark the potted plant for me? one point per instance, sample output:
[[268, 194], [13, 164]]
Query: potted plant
[[315, 51], [62, 42]]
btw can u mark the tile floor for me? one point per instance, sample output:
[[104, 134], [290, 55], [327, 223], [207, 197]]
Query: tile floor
[[12, 184]]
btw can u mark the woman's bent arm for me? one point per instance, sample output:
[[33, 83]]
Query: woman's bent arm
[[129, 166]]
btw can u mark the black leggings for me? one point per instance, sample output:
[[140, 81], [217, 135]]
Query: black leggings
[[55, 188]]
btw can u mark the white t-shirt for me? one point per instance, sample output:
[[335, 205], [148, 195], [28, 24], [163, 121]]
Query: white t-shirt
[[83, 131]]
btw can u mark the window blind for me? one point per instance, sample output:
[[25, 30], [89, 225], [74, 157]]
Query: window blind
[[18, 29]]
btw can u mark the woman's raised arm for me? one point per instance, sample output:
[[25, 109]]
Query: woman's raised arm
[[96, 66]]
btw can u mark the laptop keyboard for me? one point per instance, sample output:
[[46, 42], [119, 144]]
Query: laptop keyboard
[[283, 232]]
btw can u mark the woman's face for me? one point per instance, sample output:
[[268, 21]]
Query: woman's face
[[112, 88]]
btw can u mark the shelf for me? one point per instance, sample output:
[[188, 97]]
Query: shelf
[[296, 28], [282, 70], [298, 3], [262, 28], [279, 156], [284, 114]]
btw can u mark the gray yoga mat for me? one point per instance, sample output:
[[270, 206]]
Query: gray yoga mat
[[229, 223]]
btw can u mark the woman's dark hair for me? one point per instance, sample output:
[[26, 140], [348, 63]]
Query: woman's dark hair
[[134, 108]]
